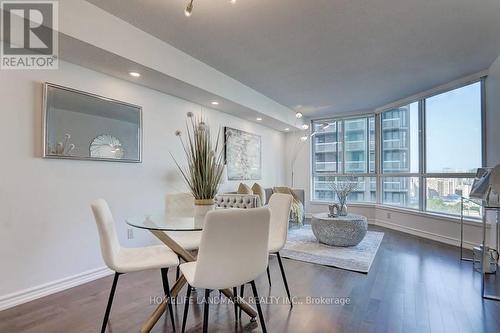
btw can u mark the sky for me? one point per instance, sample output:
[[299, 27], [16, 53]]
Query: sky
[[453, 125]]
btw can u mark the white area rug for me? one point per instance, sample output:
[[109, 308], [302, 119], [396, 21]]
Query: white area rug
[[303, 246]]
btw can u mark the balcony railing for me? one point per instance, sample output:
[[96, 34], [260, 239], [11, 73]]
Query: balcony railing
[[326, 166], [355, 145], [392, 124], [327, 147], [355, 125], [394, 144], [355, 166], [394, 166]]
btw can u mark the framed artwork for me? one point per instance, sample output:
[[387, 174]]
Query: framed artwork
[[84, 126], [243, 155]]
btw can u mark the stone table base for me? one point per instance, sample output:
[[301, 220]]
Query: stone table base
[[339, 231]]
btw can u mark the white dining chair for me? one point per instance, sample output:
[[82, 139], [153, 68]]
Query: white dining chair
[[125, 260], [182, 205], [233, 251], [279, 205]]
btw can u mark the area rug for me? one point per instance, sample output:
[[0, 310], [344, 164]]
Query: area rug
[[302, 245]]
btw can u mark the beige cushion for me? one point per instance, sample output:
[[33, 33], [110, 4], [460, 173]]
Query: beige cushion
[[285, 190], [244, 189], [259, 190]]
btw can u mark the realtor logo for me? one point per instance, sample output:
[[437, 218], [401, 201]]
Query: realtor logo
[[29, 35]]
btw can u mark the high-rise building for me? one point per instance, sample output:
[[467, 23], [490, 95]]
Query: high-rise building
[[351, 142], [395, 138], [344, 144]]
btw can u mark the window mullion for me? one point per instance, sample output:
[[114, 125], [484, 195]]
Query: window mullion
[[378, 158], [422, 155]]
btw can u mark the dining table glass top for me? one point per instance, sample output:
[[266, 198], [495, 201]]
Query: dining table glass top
[[163, 222]]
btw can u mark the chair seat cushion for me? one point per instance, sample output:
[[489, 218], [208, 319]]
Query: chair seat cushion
[[150, 257], [189, 240], [276, 245], [188, 270]]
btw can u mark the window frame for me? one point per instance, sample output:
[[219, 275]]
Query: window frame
[[422, 175]]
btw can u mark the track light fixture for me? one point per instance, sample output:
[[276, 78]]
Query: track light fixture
[[189, 8]]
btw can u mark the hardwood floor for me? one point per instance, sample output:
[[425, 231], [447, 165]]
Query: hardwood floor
[[414, 285]]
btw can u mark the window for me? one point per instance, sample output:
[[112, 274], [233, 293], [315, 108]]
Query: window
[[365, 190], [444, 196], [427, 155], [453, 130], [340, 148], [400, 155], [400, 141], [355, 152], [401, 191]]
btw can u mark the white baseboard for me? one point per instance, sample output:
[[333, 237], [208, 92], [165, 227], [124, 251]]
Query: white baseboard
[[30, 294], [417, 232], [424, 234]]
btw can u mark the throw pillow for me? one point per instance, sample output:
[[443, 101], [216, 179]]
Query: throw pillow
[[286, 190], [259, 190], [244, 189]]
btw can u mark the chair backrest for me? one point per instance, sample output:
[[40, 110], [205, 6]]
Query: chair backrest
[[233, 248], [280, 205], [110, 246], [179, 205]]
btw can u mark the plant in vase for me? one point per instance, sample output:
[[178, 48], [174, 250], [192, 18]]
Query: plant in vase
[[205, 163], [342, 188]]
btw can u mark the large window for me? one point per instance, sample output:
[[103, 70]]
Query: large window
[[344, 148], [400, 156], [453, 132], [426, 156]]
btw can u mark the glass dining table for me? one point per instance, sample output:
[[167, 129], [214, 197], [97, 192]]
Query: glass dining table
[[160, 225]]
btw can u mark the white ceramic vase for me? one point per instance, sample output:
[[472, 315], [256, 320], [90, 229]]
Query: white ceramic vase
[[203, 206]]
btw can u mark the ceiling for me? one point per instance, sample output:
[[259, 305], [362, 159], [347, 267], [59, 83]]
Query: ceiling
[[90, 56], [328, 56]]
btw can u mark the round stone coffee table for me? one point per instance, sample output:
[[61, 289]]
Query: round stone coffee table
[[339, 231]]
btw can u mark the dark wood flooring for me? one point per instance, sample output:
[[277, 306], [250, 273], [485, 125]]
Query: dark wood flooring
[[415, 285]]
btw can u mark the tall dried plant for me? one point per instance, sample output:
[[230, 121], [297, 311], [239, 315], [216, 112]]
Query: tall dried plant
[[343, 188], [205, 160]]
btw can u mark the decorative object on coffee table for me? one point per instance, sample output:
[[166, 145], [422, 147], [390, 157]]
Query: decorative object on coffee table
[[346, 230], [342, 189], [205, 163]]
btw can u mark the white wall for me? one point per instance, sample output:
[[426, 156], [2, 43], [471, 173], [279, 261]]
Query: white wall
[[47, 232], [493, 114]]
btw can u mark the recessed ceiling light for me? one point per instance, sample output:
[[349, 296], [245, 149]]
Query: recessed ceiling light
[[214, 103], [287, 129], [303, 138], [305, 126], [298, 115], [134, 74], [259, 118], [232, 1]]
